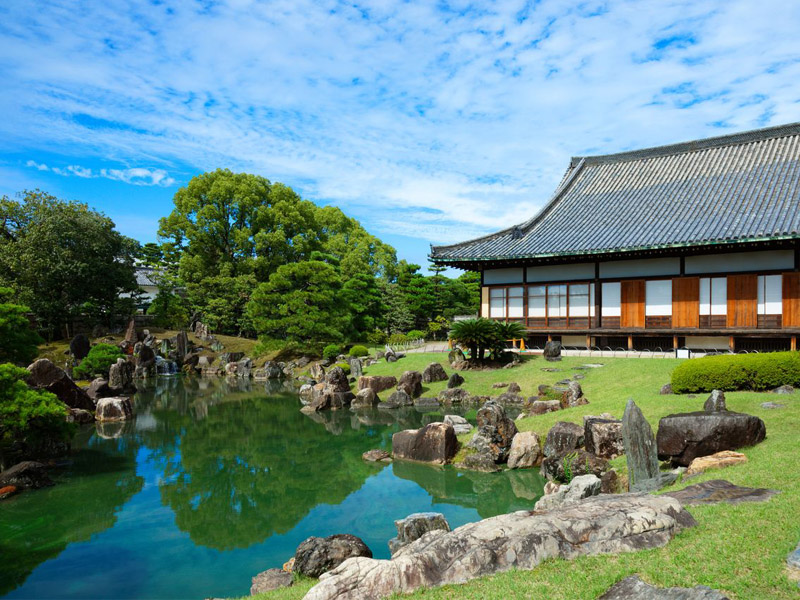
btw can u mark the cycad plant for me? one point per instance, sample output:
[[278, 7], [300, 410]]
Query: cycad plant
[[505, 332], [477, 335]]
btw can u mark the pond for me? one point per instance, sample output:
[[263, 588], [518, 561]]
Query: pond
[[215, 482]]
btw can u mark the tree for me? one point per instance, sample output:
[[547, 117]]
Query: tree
[[64, 260], [398, 316], [18, 341], [301, 302], [437, 284], [476, 334]]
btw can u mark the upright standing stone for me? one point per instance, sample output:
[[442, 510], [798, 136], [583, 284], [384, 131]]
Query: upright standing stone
[[355, 367], [641, 452], [552, 351], [130, 334], [181, 346], [79, 346], [715, 402]]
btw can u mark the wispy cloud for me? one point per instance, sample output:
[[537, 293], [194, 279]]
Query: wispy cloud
[[444, 120], [135, 176]]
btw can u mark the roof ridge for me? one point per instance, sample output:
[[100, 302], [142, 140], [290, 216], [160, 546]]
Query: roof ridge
[[731, 139]]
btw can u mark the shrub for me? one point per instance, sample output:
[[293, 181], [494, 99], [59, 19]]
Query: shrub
[[397, 338], [344, 367], [377, 338], [331, 351], [358, 351], [18, 342], [98, 361], [28, 416], [730, 372], [415, 334]]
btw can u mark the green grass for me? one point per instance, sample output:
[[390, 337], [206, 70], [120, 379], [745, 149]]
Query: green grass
[[739, 549]]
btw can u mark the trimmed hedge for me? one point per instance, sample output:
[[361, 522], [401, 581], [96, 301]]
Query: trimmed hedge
[[358, 351], [731, 372], [331, 351]]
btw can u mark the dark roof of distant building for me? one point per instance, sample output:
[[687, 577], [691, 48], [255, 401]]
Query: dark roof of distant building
[[144, 276], [723, 190]]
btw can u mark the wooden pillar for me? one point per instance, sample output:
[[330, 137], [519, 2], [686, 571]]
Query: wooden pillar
[[549, 338], [630, 342], [732, 344], [793, 343], [588, 341], [674, 342]]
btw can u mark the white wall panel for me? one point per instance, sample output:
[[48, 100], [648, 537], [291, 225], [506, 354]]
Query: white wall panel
[[640, 268], [497, 276], [561, 272], [707, 342], [658, 298], [770, 299], [766, 260], [611, 299]]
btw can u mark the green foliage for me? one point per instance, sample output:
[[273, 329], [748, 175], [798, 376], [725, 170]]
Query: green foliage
[[18, 342], [344, 367], [64, 260], [438, 327], [415, 334], [98, 361], [397, 339], [377, 338], [29, 416], [567, 464], [331, 351], [171, 310], [731, 372], [358, 351], [478, 335]]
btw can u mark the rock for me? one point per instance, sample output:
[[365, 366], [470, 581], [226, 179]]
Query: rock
[[640, 449], [336, 379], [436, 443], [793, 561], [715, 402], [610, 483], [456, 356], [376, 456], [666, 389], [578, 462], [244, 368], [456, 380], [563, 437], [784, 389], [130, 334], [499, 386], [272, 370], [684, 437], [426, 404], [316, 556], [552, 351], [434, 372], [573, 396], [479, 461], [715, 491], [7, 491], [79, 416], [79, 346], [317, 372], [497, 429], [579, 488], [415, 526], [28, 474], [715, 461], [453, 396], [356, 369], [306, 393], [510, 399], [377, 383], [181, 346], [325, 397], [231, 357], [525, 452], [633, 588], [366, 398], [99, 388], [518, 540], [114, 409], [145, 362], [772, 405], [411, 383], [460, 424], [44, 375], [513, 388], [603, 437], [269, 580], [396, 400], [540, 407]]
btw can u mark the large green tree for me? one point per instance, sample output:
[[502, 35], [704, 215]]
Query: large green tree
[[18, 341], [64, 260]]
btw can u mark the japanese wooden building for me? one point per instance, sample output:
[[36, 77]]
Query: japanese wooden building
[[691, 245]]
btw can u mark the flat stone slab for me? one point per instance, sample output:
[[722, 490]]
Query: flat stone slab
[[633, 588], [719, 490], [719, 460], [794, 558], [605, 524], [772, 405]]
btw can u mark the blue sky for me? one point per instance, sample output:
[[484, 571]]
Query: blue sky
[[430, 122]]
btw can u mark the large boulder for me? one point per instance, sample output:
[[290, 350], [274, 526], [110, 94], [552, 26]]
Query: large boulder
[[356, 369], [366, 398], [459, 423], [453, 396], [80, 416], [44, 375], [434, 372], [415, 526], [633, 588], [552, 351], [26, 475], [145, 363], [456, 356], [326, 397], [563, 437], [609, 524], [397, 399], [114, 409], [564, 467], [526, 451], [120, 377], [272, 370], [436, 443], [377, 383], [573, 396], [540, 407], [99, 388], [683, 437], [497, 429], [316, 556], [603, 437], [244, 368], [317, 372], [456, 380], [583, 486], [269, 580], [336, 379], [411, 383], [79, 346]]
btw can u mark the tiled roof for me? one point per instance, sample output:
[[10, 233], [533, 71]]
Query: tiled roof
[[735, 188], [144, 276]]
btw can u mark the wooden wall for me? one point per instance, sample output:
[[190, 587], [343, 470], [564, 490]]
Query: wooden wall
[[632, 303], [686, 302], [791, 299], [742, 301], [485, 302]]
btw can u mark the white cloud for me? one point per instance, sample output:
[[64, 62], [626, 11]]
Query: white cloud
[[455, 121], [135, 176]]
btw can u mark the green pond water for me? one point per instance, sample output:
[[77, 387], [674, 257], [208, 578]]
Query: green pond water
[[214, 482]]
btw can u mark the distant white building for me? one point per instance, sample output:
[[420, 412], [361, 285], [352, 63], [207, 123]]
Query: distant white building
[[145, 279]]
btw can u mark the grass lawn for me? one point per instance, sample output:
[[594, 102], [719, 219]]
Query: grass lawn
[[738, 549]]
